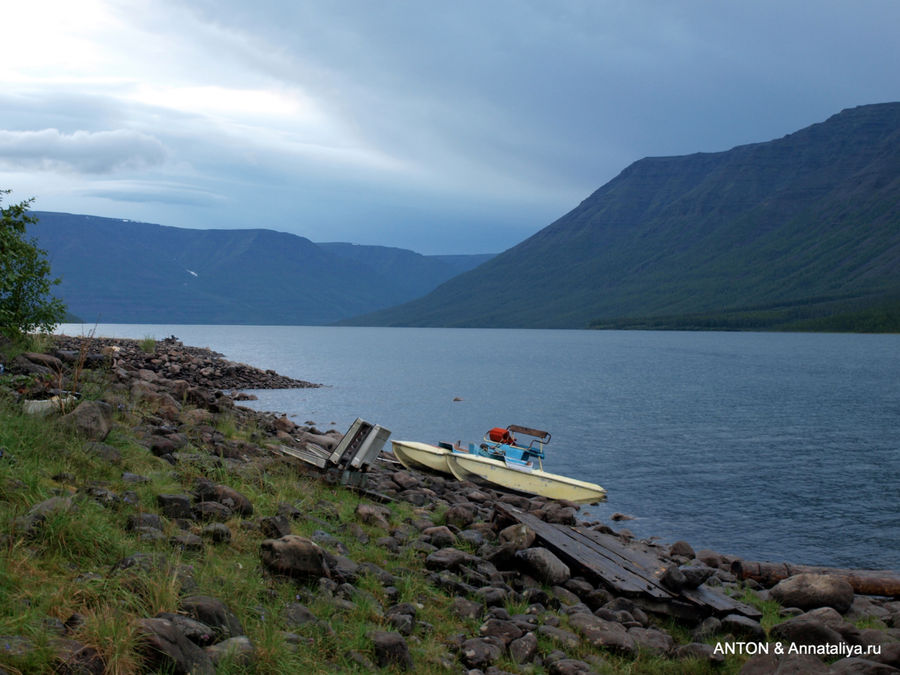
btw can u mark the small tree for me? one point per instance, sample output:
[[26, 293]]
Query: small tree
[[26, 305]]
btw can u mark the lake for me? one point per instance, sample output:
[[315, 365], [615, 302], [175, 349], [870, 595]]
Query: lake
[[769, 446]]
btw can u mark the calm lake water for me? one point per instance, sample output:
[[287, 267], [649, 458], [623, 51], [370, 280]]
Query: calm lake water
[[768, 446]]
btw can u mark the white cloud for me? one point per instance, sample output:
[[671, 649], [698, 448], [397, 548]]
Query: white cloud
[[81, 152]]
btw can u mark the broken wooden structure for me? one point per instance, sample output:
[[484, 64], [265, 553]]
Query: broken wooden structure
[[352, 456], [632, 570]]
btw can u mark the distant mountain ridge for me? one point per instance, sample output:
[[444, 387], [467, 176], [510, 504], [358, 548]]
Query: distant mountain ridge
[[799, 232], [119, 271]]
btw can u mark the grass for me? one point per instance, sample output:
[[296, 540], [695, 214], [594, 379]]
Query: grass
[[147, 345]]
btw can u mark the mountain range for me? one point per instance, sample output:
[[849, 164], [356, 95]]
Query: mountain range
[[797, 233], [119, 271], [802, 232]]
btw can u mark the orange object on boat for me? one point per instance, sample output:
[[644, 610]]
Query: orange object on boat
[[500, 435]]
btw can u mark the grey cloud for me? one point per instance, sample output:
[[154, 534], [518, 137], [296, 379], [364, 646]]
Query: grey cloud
[[88, 152]]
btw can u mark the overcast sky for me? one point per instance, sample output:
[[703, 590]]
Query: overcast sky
[[444, 127]]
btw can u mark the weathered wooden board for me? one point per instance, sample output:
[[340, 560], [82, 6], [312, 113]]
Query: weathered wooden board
[[617, 571], [631, 570]]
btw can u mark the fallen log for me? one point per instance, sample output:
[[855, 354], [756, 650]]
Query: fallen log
[[866, 582]]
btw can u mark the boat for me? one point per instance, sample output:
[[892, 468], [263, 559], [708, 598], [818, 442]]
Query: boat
[[502, 461], [417, 456]]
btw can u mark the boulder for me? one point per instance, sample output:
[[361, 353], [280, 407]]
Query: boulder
[[544, 565], [518, 537], [214, 614], [236, 651], [92, 419], [809, 591], [391, 650], [166, 648], [805, 630], [294, 556], [480, 652], [524, 649]]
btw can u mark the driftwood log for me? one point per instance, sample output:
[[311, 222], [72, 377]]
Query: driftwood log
[[866, 582]]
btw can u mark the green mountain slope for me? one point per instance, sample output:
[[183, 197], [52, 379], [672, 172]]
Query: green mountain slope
[[788, 233], [129, 272]]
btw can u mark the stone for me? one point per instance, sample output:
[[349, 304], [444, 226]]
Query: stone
[[673, 578], [448, 559], [391, 650], [186, 541], [682, 549], [861, 666], [466, 609], [175, 506], [506, 631], [695, 574], [106, 452], [211, 511], [460, 515], [206, 490], [560, 636], [480, 652], [275, 527], [743, 627], [75, 658], [698, 650], [34, 518], [236, 651], [524, 649], [92, 419], [296, 615], [440, 536], [372, 514], [570, 667], [165, 647], [294, 556], [809, 591], [653, 640], [518, 537], [805, 630], [601, 633], [195, 631], [213, 613], [544, 565], [217, 532]]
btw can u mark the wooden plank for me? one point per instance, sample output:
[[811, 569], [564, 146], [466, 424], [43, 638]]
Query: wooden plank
[[628, 569], [719, 602], [616, 571]]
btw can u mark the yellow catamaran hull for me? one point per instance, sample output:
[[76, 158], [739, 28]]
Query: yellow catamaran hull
[[417, 456], [535, 481]]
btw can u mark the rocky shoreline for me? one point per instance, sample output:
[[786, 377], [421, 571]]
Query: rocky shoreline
[[172, 398]]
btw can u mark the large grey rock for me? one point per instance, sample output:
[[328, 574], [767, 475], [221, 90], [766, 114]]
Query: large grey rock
[[294, 556], [214, 614], [92, 419], [207, 491], [480, 652], [524, 649], [808, 591], [606, 634], [544, 565], [805, 630], [235, 651], [391, 650], [166, 648]]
